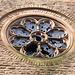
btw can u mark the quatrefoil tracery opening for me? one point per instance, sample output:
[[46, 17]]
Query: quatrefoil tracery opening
[[34, 36]]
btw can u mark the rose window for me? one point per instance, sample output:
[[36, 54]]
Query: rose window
[[38, 36]]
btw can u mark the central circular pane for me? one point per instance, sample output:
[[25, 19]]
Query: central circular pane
[[38, 37]]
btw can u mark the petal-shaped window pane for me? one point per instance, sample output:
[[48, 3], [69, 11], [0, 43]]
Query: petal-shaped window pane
[[45, 26], [57, 43], [20, 31], [20, 41], [30, 25], [55, 33], [47, 50]]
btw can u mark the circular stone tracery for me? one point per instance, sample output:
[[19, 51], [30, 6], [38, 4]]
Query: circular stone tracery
[[37, 36]]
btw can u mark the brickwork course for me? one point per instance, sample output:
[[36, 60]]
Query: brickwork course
[[11, 64]]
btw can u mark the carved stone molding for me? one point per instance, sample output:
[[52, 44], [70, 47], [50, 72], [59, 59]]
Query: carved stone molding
[[36, 33]]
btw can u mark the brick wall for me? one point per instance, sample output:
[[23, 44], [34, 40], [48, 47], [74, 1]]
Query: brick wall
[[11, 64]]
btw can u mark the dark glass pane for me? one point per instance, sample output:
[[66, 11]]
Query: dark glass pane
[[31, 49]]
